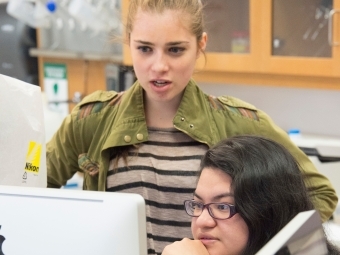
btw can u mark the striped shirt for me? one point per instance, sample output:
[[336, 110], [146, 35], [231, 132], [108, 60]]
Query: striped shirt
[[164, 171]]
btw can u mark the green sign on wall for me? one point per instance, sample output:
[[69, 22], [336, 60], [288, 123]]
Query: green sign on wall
[[56, 87], [56, 71]]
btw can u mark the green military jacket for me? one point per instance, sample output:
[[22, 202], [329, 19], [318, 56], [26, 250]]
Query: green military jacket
[[107, 119]]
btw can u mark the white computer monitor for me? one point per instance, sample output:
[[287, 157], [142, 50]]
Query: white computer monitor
[[303, 235], [44, 221]]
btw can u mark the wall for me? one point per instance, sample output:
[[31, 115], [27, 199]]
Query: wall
[[312, 111], [16, 39]]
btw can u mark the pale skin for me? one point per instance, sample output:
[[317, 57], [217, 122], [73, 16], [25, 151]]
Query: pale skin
[[212, 236], [164, 55], [186, 247]]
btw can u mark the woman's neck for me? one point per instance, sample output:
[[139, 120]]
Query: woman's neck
[[160, 114]]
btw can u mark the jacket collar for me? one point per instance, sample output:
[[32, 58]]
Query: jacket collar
[[194, 116], [129, 121]]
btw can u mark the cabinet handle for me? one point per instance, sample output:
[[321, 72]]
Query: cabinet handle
[[330, 28]]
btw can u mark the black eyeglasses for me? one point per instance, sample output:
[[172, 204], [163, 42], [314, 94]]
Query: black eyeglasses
[[219, 211]]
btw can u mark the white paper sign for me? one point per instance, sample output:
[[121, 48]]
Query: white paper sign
[[22, 136]]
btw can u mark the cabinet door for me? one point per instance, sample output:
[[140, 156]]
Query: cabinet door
[[227, 24], [302, 37], [268, 40], [231, 27]]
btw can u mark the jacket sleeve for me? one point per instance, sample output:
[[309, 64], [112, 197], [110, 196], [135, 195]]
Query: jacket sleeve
[[74, 137], [62, 153], [323, 194], [246, 118]]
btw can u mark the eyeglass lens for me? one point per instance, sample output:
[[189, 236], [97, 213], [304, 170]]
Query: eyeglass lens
[[216, 210]]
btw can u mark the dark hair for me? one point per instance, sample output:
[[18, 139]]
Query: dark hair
[[268, 186]]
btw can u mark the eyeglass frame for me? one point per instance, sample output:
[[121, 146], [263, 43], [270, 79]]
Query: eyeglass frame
[[232, 207]]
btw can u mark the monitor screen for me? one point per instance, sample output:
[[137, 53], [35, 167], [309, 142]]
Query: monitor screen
[[303, 235], [44, 221]]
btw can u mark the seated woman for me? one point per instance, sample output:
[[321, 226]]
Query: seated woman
[[248, 189]]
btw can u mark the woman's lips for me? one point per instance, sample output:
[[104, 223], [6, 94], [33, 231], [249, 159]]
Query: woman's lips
[[160, 83], [207, 242], [207, 239]]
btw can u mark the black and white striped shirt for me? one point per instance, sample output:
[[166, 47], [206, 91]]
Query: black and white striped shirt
[[164, 171]]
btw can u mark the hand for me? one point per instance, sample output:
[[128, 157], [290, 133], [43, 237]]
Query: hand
[[185, 247]]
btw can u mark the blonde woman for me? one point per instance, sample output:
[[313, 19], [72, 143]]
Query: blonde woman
[[149, 139]]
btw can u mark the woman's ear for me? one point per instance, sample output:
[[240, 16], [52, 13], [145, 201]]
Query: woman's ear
[[202, 44]]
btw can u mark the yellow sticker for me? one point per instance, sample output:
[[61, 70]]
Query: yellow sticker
[[33, 157]]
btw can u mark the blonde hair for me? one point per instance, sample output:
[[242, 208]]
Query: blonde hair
[[193, 8]]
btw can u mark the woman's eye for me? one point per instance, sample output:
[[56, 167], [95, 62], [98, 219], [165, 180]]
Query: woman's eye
[[144, 48], [223, 207], [196, 205], [176, 49]]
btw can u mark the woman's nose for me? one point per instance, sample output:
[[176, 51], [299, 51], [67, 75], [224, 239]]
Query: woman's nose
[[160, 63], [205, 219]]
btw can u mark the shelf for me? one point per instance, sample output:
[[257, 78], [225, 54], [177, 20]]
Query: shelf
[[35, 52]]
